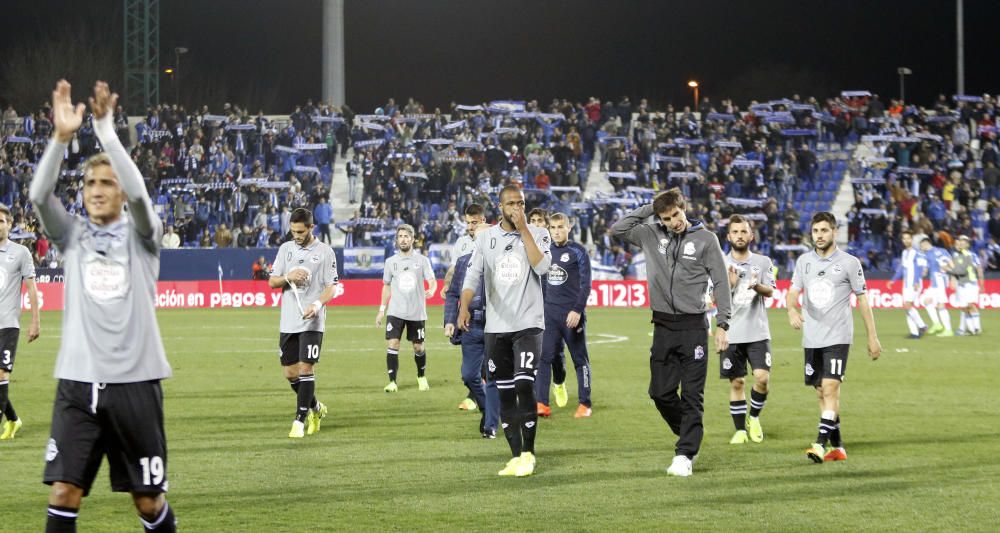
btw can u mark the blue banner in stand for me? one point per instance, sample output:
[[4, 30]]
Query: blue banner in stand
[[364, 260]]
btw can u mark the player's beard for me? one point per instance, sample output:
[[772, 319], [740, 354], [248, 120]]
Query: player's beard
[[740, 249], [506, 218], [405, 248], [824, 247]]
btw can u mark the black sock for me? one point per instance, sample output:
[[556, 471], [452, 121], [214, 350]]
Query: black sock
[[9, 411], [757, 402], [392, 363], [294, 382], [559, 369], [525, 390], [835, 434], [307, 388], [825, 427], [738, 410], [421, 359], [3, 398], [61, 520], [163, 523], [508, 416]]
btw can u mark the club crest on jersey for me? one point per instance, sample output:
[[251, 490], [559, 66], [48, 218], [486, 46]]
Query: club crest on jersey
[[809, 370], [699, 352], [689, 248], [314, 259], [662, 248], [837, 269], [564, 258]]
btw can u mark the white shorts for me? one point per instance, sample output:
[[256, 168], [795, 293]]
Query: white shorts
[[935, 296], [968, 294], [910, 294]]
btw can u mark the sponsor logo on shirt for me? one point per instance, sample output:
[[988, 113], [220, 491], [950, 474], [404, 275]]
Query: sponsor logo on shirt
[[564, 258], [105, 280], [820, 292], [727, 364], [508, 270], [407, 281], [557, 275]]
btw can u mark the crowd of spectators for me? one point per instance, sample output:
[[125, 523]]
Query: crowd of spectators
[[932, 171], [231, 179]]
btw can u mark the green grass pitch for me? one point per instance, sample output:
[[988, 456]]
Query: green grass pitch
[[920, 426]]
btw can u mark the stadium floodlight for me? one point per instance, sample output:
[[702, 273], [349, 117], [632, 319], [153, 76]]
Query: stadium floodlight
[[178, 52], [903, 72], [694, 85]]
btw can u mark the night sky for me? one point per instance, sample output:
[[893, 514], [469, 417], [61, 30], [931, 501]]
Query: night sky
[[268, 53]]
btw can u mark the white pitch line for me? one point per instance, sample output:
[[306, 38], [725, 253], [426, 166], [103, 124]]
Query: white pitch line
[[608, 338]]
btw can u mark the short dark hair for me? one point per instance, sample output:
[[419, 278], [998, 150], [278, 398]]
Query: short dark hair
[[509, 188], [303, 215], [540, 212], [669, 199], [474, 210], [740, 219], [906, 232], [823, 216]]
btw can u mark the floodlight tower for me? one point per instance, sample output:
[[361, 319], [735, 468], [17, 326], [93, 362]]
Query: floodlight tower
[[142, 54]]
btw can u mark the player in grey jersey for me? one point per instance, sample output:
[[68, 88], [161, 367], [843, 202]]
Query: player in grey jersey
[[511, 259], [828, 277], [108, 400], [751, 281], [403, 291], [306, 271], [16, 267]]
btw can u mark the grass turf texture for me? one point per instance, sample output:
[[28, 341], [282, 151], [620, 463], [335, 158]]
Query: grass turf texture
[[919, 426]]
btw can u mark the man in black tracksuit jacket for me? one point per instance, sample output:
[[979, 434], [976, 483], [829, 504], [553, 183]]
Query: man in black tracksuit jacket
[[681, 257]]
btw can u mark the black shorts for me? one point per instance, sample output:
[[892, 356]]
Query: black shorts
[[834, 361], [123, 421], [513, 354], [394, 326], [8, 348], [733, 361], [300, 347]]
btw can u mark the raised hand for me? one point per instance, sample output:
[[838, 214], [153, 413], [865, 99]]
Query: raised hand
[[67, 118], [103, 101]]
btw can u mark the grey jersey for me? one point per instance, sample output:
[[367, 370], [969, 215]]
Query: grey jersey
[[749, 322], [109, 332], [514, 299], [826, 305], [16, 266], [462, 246], [318, 259], [405, 276]]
